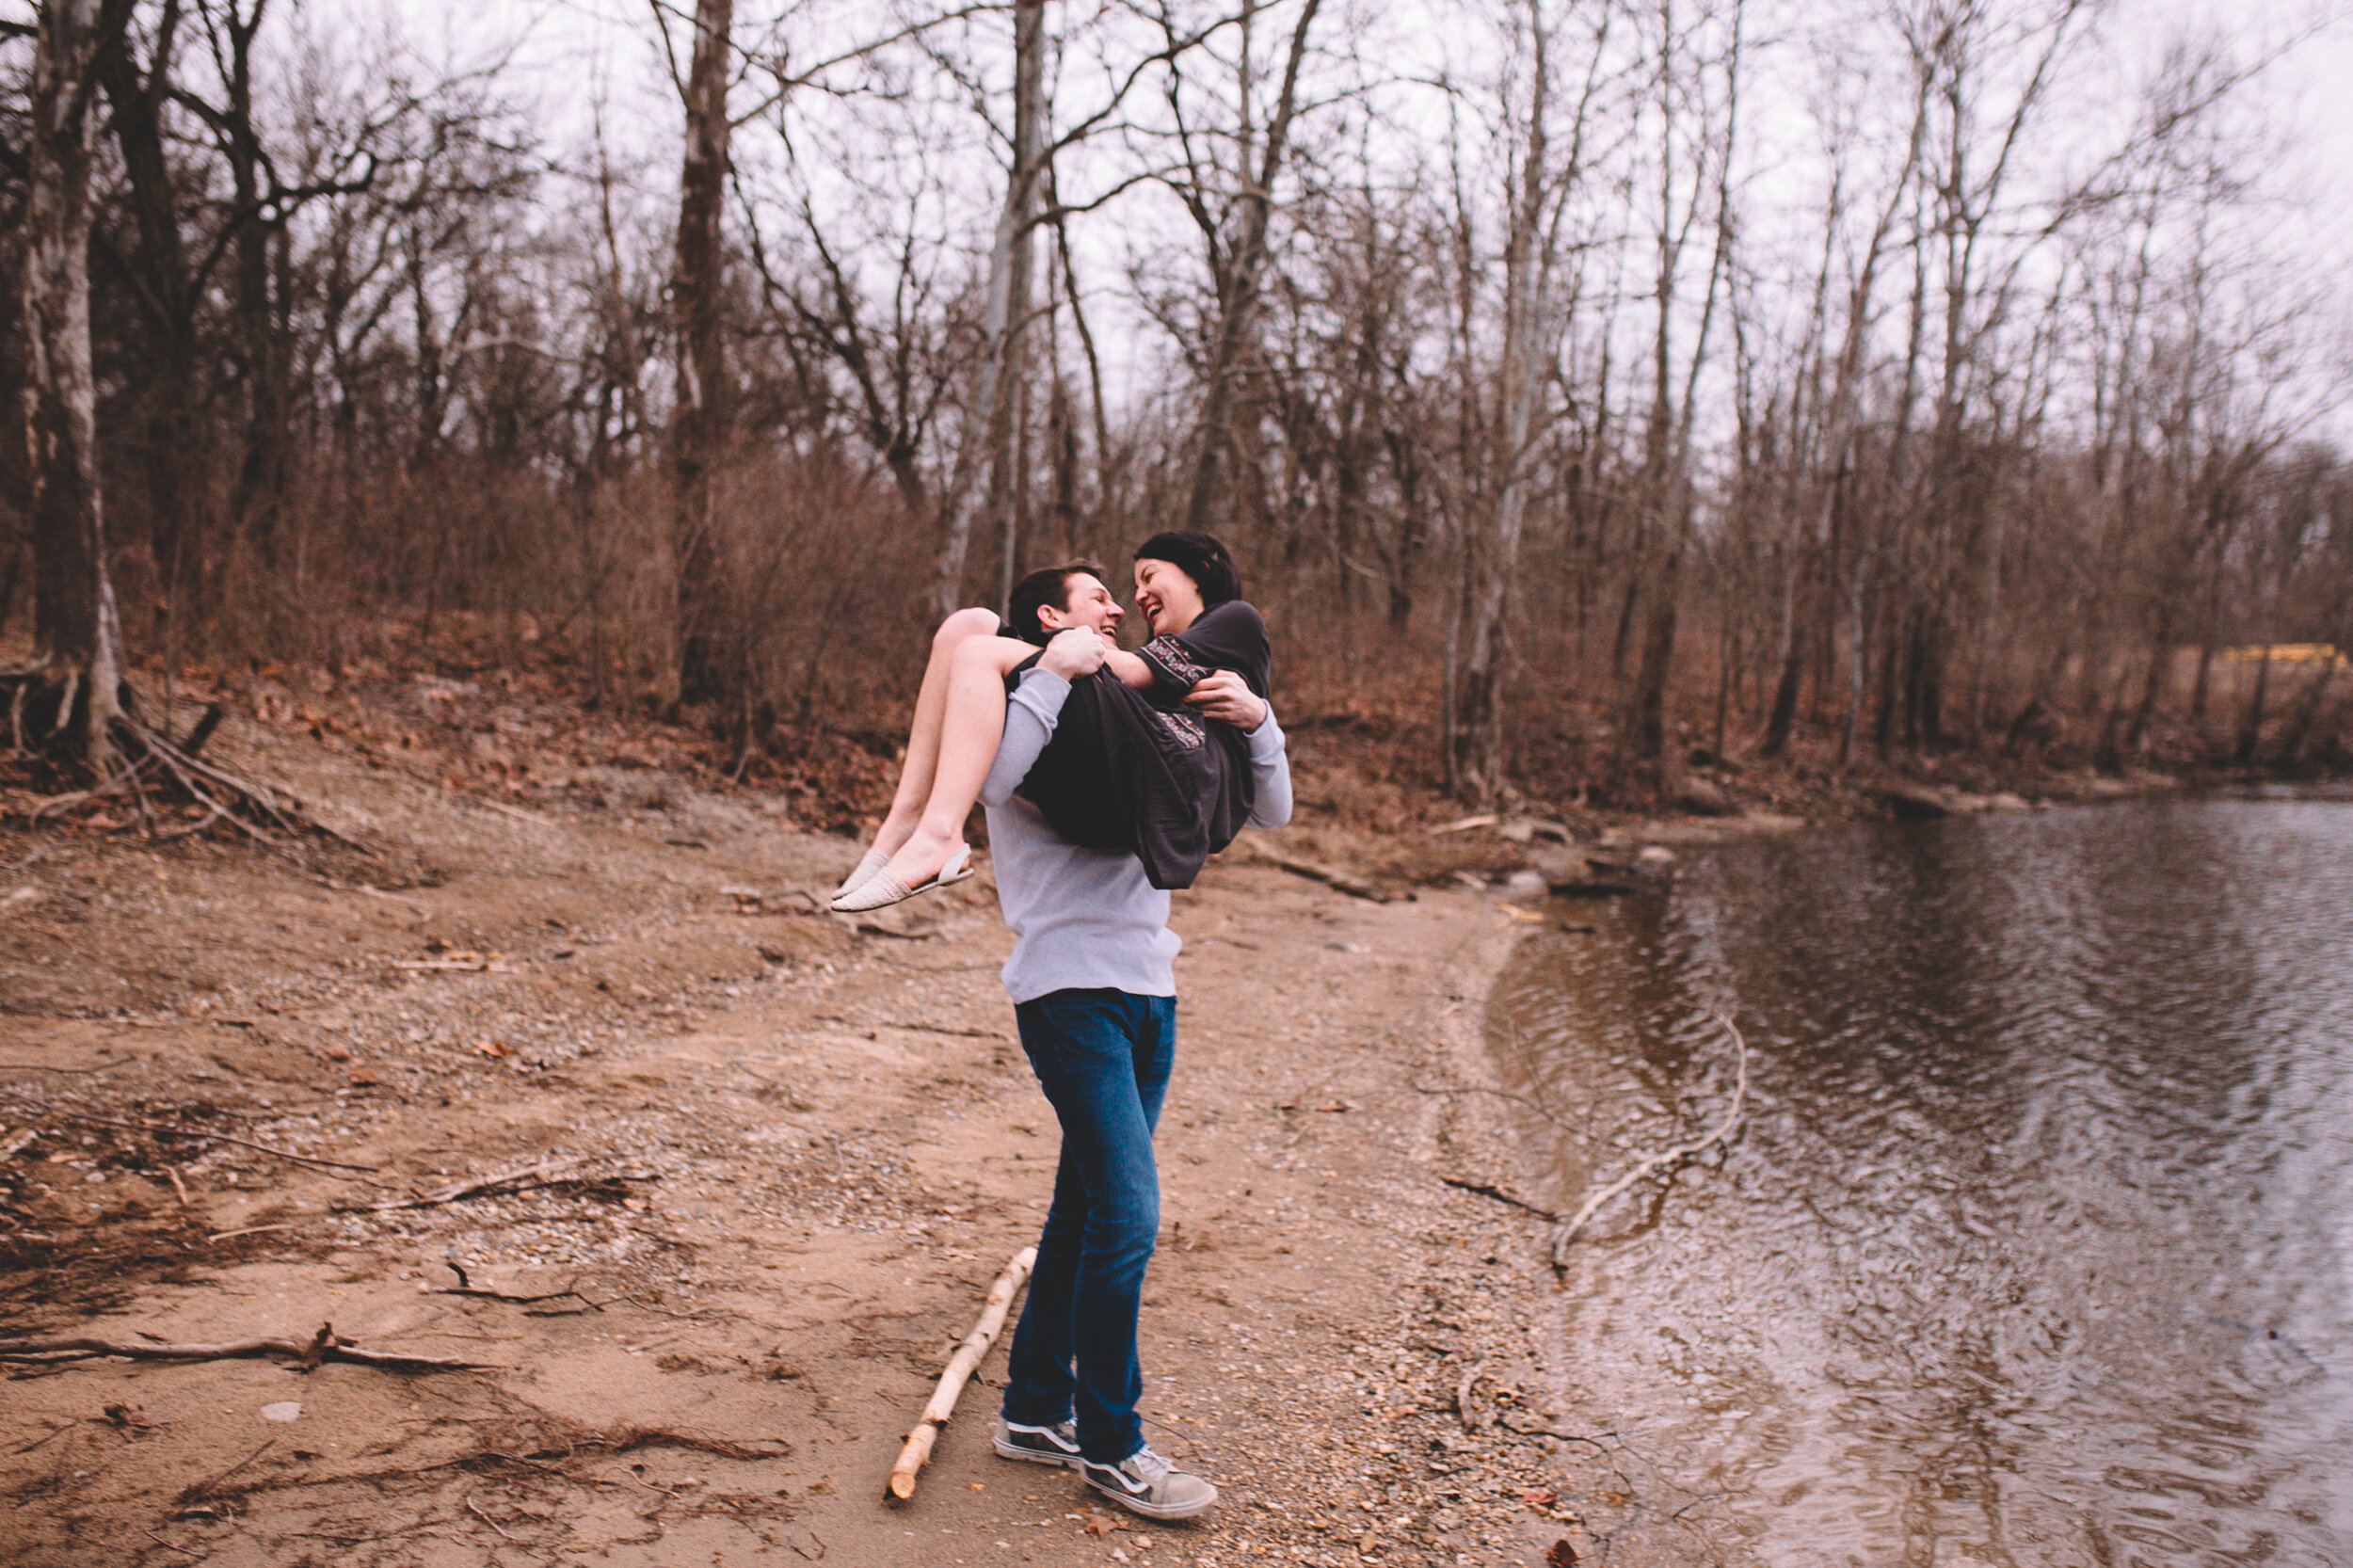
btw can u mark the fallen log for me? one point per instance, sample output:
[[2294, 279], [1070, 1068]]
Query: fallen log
[[1314, 871], [960, 1367], [321, 1346]]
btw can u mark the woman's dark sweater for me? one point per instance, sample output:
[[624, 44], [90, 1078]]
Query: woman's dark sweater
[[1131, 769]]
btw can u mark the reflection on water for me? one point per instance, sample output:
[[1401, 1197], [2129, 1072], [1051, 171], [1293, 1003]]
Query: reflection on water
[[2038, 1245]]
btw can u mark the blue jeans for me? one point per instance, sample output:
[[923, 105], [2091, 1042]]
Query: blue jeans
[[1103, 1058]]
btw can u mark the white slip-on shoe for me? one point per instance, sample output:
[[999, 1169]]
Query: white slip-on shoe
[[868, 864], [883, 889]]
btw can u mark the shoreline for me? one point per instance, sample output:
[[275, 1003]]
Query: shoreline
[[779, 1156], [775, 1157]]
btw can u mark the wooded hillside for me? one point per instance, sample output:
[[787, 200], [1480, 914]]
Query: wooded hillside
[[1591, 389]]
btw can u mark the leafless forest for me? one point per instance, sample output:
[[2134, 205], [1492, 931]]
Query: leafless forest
[[1592, 389]]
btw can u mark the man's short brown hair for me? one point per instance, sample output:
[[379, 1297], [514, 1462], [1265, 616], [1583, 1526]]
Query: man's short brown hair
[[1047, 589]]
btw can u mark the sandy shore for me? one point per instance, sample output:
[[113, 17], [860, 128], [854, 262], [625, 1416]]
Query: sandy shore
[[776, 1159]]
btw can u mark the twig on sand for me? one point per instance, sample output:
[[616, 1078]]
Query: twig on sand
[[321, 1346], [900, 1485], [1486, 1190], [542, 1175], [1568, 1234], [203, 1488], [475, 1508], [466, 1287]]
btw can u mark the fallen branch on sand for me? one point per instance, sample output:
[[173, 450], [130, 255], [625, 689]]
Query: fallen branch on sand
[[321, 1346], [466, 1287], [546, 1173], [1487, 1189], [1568, 1234], [960, 1367]]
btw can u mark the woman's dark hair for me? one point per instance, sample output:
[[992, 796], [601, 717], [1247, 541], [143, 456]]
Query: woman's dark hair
[[1047, 589], [1200, 558]]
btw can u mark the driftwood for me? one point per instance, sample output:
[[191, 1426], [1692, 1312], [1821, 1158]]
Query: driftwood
[[321, 1346], [960, 1367], [1567, 1233]]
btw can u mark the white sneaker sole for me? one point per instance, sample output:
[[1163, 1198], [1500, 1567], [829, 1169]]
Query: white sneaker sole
[[1151, 1510]]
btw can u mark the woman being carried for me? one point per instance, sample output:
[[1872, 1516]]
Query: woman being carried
[[1129, 768]]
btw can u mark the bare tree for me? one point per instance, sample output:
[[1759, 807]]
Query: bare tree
[[996, 431], [701, 419], [72, 690]]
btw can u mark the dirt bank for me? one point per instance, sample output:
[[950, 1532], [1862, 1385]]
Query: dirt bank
[[770, 1158]]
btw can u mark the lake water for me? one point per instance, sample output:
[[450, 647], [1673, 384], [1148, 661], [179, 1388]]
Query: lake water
[[2037, 1244]]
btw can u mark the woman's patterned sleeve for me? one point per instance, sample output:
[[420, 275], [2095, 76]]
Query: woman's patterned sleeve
[[1175, 662]]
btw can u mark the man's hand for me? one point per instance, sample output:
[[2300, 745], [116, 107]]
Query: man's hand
[[1227, 697], [1073, 651]]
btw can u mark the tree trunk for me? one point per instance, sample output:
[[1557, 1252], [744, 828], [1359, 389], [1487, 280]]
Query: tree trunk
[[1475, 736], [261, 480], [2250, 729], [167, 296], [1237, 285], [699, 424], [77, 637], [1009, 429], [990, 432], [2299, 735]]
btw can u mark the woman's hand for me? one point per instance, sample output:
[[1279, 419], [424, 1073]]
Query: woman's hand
[[1225, 695], [1073, 652]]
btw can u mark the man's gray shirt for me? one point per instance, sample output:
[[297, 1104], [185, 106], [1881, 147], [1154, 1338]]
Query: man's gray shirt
[[1083, 919]]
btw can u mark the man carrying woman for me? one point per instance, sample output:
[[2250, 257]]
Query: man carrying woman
[[1091, 974]]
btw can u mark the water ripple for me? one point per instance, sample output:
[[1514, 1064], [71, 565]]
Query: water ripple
[[2038, 1240]]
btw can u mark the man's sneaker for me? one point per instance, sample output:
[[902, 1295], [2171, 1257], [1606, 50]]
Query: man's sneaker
[[1038, 1445], [1145, 1483]]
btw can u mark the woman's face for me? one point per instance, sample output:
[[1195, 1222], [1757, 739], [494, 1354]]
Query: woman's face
[[1170, 599]]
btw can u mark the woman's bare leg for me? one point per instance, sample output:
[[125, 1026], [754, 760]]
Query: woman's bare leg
[[931, 708], [973, 722]]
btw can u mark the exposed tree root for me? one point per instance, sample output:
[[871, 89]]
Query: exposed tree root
[[156, 773]]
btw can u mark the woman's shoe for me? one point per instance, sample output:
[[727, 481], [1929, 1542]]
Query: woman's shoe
[[883, 889], [868, 864]]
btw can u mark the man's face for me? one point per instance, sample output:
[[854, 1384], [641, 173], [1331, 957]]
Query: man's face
[[1091, 606]]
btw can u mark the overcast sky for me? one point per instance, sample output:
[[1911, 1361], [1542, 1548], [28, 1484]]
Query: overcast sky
[[572, 60]]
